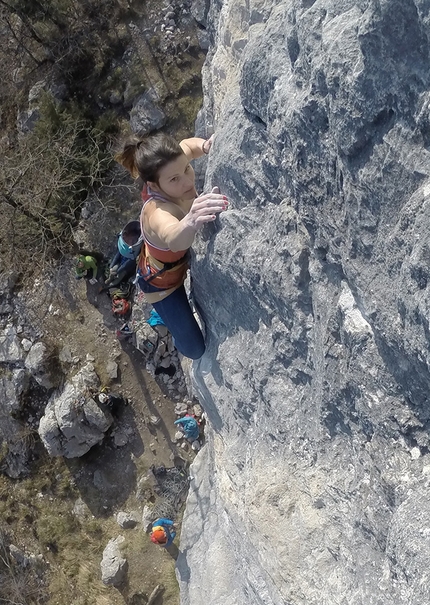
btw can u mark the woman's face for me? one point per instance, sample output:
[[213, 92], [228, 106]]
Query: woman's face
[[176, 180]]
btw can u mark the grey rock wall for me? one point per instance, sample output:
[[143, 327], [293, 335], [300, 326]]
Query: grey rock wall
[[73, 421], [314, 286]]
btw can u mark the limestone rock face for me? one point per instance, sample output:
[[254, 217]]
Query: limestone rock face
[[73, 422], [113, 566], [37, 363], [314, 288], [145, 115]]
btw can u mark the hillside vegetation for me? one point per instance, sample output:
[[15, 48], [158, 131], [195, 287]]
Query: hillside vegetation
[[70, 71]]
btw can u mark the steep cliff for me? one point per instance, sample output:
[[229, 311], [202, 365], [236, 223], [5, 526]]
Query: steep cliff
[[314, 287]]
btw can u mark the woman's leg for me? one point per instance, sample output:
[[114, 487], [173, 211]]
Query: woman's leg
[[176, 313]]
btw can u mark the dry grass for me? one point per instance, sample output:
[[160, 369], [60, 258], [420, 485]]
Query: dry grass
[[38, 518]]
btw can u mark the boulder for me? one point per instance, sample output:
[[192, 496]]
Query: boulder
[[199, 10], [10, 346], [127, 520], [26, 344], [146, 339], [73, 421], [80, 509], [114, 566], [145, 115], [16, 451], [8, 280], [112, 369], [203, 38], [146, 485], [12, 386], [147, 517], [27, 120], [38, 363], [36, 92], [65, 355]]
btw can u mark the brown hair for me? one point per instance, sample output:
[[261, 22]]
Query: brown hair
[[145, 157]]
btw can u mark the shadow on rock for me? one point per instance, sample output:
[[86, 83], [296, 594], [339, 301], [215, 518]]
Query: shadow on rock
[[173, 551], [107, 474], [137, 360]]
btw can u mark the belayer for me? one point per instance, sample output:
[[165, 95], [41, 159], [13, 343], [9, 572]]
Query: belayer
[[162, 532], [123, 265], [84, 265], [189, 426], [172, 214]]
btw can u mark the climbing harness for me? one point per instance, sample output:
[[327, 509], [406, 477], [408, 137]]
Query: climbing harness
[[151, 267]]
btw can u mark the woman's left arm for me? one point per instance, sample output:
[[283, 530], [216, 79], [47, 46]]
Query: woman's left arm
[[195, 147], [179, 234]]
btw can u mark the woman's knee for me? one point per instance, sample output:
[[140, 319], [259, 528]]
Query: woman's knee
[[198, 351], [194, 348]]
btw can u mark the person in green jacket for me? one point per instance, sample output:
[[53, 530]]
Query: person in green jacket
[[84, 265]]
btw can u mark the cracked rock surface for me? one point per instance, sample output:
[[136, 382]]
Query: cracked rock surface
[[314, 291]]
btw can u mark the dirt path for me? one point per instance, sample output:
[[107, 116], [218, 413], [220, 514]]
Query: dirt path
[[109, 477], [65, 511]]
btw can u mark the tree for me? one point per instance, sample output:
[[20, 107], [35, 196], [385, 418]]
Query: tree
[[45, 178]]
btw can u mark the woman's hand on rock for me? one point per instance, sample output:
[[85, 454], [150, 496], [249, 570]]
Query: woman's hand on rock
[[208, 144], [205, 208]]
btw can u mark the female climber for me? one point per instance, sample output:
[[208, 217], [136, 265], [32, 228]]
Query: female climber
[[172, 213]]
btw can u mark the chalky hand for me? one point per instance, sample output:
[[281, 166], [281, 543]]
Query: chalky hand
[[206, 207]]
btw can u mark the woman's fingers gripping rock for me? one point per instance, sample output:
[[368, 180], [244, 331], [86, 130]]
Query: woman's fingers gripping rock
[[207, 206]]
